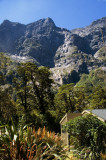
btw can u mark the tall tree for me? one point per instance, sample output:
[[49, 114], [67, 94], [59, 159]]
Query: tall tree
[[22, 85], [98, 98], [4, 64], [65, 99], [33, 87], [7, 105], [42, 84]]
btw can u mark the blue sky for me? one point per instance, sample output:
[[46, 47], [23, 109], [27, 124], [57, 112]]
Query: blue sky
[[68, 14]]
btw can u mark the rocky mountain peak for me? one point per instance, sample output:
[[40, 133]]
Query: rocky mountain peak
[[6, 22], [43, 23], [101, 21], [60, 49], [49, 21]]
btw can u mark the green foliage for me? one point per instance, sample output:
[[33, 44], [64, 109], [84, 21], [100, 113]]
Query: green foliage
[[73, 77], [88, 133], [28, 144], [64, 97], [98, 98], [34, 95], [94, 88], [31, 97], [33, 87], [70, 98], [7, 105], [94, 78], [4, 65]]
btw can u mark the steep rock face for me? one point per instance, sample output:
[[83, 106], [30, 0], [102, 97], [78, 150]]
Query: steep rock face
[[67, 53], [41, 41], [9, 34], [94, 34]]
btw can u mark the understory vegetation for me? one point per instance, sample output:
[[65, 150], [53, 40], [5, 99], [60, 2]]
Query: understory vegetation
[[23, 142], [28, 98], [88, 135]]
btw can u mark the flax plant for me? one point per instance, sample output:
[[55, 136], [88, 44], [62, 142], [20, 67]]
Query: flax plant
[[28, 144]]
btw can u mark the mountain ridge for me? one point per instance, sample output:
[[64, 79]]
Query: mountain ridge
[[58, 48]]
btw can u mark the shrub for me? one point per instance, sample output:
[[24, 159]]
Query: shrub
[[88, 135], [28, 144]]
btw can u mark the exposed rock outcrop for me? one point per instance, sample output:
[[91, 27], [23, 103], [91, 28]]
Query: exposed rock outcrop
[[67, 53]]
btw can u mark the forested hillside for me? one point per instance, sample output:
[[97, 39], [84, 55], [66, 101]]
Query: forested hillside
[[28, 92], [46, 72]]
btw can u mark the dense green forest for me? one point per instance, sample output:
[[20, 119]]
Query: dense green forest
[[29, 97], [27, 92]]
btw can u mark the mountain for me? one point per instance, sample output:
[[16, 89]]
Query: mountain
[[68, 53]]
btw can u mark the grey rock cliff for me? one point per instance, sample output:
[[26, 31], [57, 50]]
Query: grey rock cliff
[[67, 53]]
